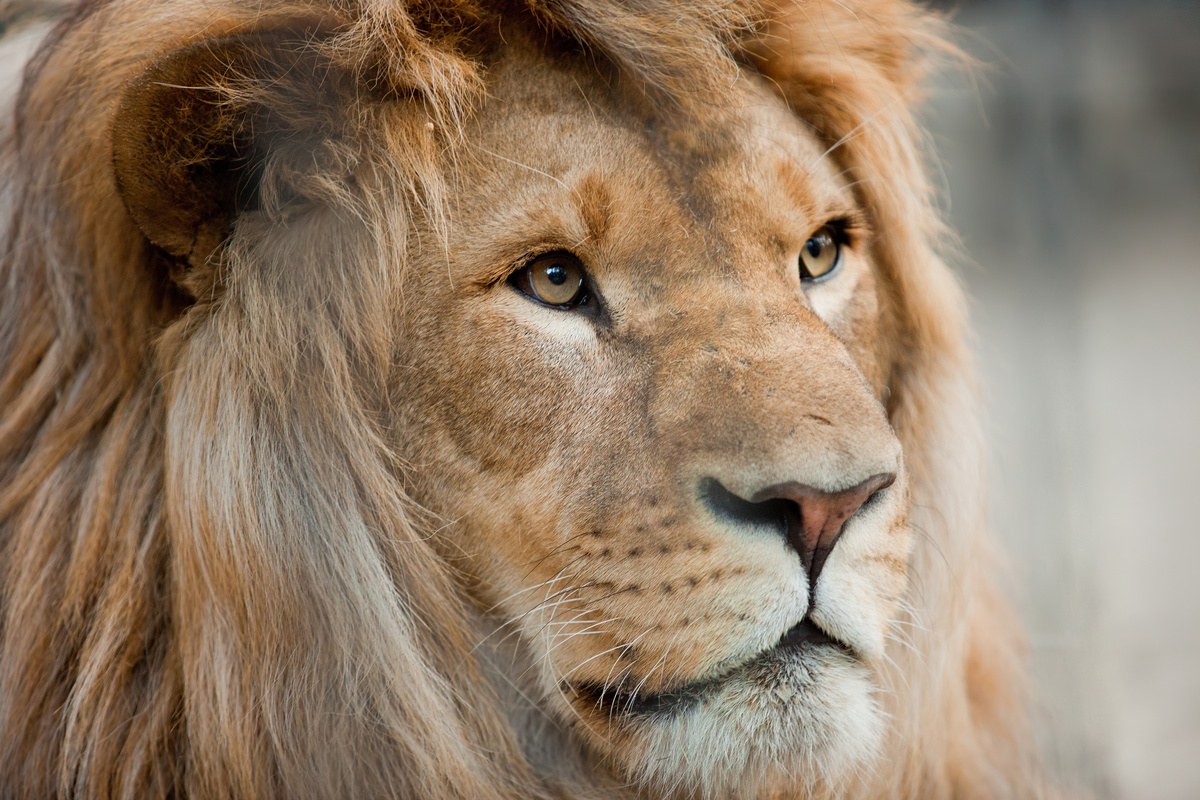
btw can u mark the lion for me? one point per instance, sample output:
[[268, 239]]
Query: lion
[[444, 399]]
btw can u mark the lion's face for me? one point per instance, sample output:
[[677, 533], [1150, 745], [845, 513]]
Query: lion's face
[[646, 477], [569, 274]]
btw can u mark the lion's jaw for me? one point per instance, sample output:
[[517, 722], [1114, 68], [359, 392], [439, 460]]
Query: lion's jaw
[[580, 489]]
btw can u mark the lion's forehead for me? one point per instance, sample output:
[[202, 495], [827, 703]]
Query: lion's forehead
[[557, 151]]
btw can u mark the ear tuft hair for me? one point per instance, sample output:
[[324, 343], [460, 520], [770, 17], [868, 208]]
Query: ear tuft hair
[[684, 51], [195, 131]]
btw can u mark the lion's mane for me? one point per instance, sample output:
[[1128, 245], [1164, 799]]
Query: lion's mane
[[212, 583]]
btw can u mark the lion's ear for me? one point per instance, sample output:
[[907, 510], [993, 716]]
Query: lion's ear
[[198, 131]]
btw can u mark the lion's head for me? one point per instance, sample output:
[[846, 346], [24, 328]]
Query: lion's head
[[454, 400]]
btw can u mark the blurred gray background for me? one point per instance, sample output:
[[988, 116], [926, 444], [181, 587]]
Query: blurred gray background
[[1072, 172]]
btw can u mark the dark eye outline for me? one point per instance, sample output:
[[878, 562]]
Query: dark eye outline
[[837, 230], [521, 281]]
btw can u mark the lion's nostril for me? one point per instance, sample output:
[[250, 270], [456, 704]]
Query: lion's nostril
[[810, 519], [728, 506]]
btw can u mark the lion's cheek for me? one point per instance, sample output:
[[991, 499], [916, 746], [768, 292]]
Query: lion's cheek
[[681, 617], [524, 407], [671, 604]]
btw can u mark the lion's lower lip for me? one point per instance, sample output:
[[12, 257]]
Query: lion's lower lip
[[803, 635]]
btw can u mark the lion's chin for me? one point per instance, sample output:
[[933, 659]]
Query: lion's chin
[[794, 716]]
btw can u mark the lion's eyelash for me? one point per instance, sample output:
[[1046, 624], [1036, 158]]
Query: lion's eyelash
[[853, 228]]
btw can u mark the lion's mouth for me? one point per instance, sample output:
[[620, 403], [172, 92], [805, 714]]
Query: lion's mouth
[[802, 637], [806, 632]]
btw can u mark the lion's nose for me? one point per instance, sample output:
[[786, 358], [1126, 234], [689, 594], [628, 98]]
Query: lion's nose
[[810, 519]]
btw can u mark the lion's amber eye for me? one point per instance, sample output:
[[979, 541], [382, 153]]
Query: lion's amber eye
[[821, 254], [555, 279]]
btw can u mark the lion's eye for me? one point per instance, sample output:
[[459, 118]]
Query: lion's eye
[[555, 279], [821, 254]]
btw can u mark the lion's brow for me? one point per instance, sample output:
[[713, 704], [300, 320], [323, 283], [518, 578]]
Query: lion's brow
[[595, 206]]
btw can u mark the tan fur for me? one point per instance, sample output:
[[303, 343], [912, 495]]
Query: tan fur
[[298, 498]]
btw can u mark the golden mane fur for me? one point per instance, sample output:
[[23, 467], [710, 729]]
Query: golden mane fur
[[177, 617]]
